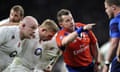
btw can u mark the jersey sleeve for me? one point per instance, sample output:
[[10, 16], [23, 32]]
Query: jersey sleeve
[[92, 37], [51, 49], [4, 21], [3, 35], [50, 53], [114, 29], [59, 38]]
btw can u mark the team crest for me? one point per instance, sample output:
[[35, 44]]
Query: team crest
[[38, 51]]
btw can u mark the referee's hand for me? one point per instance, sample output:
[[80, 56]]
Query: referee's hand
[[89, 26]]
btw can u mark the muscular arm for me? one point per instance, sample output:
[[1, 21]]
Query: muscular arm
[[95, 51], [118, 52], [52, 54], [66, 40], [113, 46], [111, 53], [94, 47]]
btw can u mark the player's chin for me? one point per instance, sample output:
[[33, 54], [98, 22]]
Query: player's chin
[[31, 36]]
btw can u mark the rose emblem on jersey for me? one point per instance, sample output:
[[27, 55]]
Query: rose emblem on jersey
[[13, 54], [38, 51]]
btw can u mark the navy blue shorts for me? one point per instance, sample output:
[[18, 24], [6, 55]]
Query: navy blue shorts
[[115, 67], [89, 68]]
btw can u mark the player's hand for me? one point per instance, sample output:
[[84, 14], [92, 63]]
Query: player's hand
[[96, 67], [48, 68], [105, 68], [118, 59], [88, 26]]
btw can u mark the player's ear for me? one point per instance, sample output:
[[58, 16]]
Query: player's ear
[[43, 29], [60, 24], [113, 7], [23, 25]]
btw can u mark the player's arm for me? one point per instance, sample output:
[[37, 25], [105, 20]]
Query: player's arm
[[112, 50], [53, 61], [51, 48], [95, 52], [4, 35], [69, 38], [114, 41], [118, 52], [115, 35], [94, 46], [111, 53], [52, 53]]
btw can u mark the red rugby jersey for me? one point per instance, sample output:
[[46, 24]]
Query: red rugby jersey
[[77, 53]]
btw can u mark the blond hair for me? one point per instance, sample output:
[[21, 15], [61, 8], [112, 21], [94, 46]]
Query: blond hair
[[50, 25]]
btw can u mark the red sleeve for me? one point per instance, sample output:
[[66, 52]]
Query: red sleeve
[[91, 34], [78, 24], [59, 38], [92, 37]]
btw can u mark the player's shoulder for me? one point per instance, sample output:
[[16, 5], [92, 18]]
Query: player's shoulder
[[115, 20], [4, 21], [9, 30], [62, 31]]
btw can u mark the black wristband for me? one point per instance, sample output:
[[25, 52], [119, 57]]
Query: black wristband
[[107, 63], [119, 56]]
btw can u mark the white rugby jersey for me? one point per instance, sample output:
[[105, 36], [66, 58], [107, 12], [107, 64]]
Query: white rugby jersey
[[10, 44], [36, 54], [49, 54], [4, 21]]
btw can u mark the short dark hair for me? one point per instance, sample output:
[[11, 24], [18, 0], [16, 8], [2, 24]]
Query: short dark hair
[[113, 2], [61, 13], [18, 8]]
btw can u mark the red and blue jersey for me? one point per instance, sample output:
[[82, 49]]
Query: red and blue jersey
[[77, 53]]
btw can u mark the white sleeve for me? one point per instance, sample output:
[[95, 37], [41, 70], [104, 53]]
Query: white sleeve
[[51, 49], [4, 21], [3, 35]]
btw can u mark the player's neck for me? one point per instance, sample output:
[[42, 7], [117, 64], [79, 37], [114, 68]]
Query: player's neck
[[40, 41], [117, 12]]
